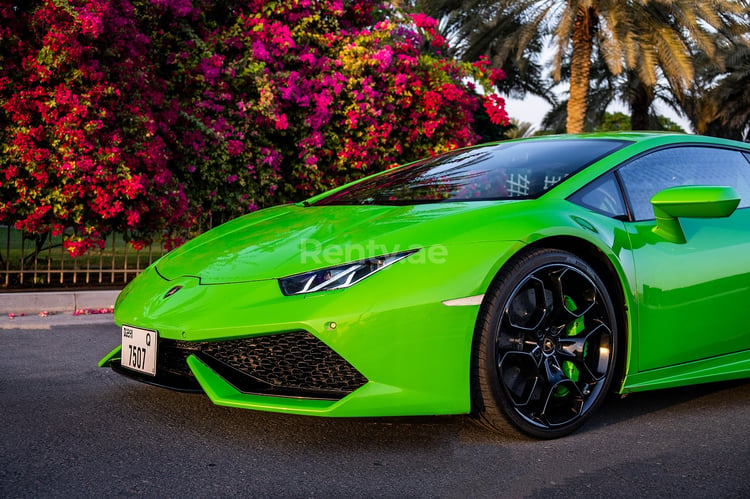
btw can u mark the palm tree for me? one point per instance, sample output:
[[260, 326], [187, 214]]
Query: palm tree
[[652, 39], [732, 94], [671, 34], [479, 28], [603, 89], [718, 101], [519, 129]]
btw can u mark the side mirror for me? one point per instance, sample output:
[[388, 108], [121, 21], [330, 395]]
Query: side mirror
[[691, 201]]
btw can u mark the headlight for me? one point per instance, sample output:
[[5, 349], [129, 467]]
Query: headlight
[[340, 276]]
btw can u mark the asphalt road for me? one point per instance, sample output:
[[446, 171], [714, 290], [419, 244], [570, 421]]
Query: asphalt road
[[70, 429]]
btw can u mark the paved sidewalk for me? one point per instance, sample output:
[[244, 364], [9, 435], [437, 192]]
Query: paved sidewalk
[[55, 301], [35, 322]]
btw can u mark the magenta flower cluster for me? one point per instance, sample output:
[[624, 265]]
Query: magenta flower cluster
[[155, 116]]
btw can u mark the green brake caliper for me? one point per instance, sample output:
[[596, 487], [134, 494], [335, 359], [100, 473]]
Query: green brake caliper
[[572, 329]]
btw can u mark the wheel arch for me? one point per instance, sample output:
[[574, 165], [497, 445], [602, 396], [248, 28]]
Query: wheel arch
[[606, 270], [488, 406]]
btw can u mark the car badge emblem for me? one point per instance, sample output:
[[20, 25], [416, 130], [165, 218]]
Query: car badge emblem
[[172, 291]]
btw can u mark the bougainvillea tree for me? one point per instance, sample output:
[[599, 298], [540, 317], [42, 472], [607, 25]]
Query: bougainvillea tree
[[288, 98], [81, 148], [153, 114]]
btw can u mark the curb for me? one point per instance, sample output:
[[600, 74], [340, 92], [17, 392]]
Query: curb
[[58, 319], [53, 301]]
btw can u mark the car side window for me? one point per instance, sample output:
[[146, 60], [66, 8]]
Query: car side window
[[603, 195], [690, 165]]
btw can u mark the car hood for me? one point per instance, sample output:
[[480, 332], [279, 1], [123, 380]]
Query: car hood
[[291, 239]]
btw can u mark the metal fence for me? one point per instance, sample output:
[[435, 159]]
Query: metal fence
[[40, 261]]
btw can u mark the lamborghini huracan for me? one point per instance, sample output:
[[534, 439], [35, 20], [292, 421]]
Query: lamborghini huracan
[[518, 282]]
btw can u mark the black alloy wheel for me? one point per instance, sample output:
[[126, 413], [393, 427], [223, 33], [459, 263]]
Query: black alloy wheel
[[545, 346]]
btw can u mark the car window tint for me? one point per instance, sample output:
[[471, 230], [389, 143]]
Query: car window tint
[[603, 195], [693, 165], [508, 170]]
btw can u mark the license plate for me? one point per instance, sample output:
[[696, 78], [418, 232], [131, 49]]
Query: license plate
[[139, 349]]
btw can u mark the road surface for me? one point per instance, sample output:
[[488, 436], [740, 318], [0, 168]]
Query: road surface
[[70, 429]]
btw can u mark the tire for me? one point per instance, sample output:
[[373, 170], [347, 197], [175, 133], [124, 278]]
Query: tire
[[544, 349]]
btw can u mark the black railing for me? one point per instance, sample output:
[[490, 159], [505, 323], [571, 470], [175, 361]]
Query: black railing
[[40, 261]]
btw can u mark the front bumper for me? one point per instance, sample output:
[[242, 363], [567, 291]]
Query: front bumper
[[293, 364], [380, 348]]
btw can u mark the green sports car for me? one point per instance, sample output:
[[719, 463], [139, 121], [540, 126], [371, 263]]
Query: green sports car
[[518, 282]]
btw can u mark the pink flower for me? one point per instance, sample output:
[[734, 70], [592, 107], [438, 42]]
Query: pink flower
[[424, 21], [280, 122], [211, 67], [235, 147], [482, 63], [260, 52], [91, 24], [383, 56], [308, 59], [497, 75], [495, 107], [452, 92]]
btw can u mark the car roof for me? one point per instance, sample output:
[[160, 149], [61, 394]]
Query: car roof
[[644, 136]]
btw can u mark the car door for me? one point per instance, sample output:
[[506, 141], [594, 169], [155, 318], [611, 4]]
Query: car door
[[692, 296]]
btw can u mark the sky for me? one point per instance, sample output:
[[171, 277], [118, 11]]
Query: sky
[[532, 109]]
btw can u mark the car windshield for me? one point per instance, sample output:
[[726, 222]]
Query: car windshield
[[508, 170]]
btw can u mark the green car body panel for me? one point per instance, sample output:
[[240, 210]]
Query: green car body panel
[[408, 329]]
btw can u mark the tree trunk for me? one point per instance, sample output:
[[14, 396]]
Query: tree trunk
[[641, 98], [580, 68]]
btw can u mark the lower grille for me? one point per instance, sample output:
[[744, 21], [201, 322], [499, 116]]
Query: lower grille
[[295, 361], [293, 364]]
